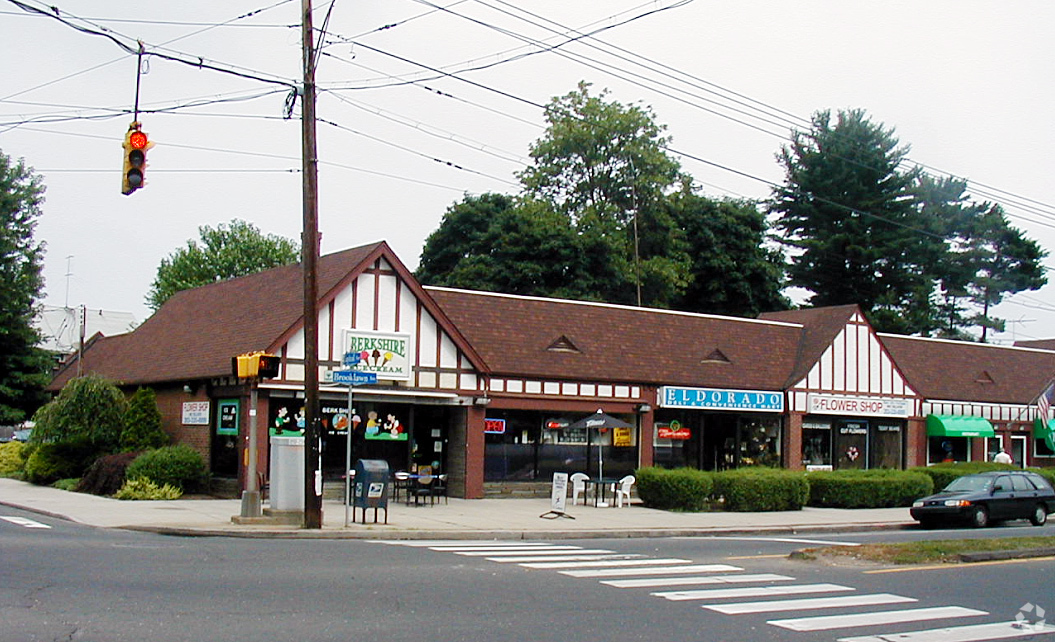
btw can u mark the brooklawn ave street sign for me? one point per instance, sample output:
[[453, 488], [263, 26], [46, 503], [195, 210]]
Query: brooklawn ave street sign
[[353, 377]]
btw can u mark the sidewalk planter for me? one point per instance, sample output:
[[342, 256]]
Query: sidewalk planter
[[685, 489], [867, 488], [761, 489]]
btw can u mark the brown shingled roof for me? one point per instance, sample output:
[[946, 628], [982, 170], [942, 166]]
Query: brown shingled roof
[[958, 370], [197, 331], [820, 327], [1040, 344], [535, 337]]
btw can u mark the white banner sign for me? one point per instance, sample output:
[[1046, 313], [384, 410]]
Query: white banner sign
[[560, 492], [386, 354], [858, 406], [195, 413]]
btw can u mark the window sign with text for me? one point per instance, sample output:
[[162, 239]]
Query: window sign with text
[[227, 418], [195, 413]]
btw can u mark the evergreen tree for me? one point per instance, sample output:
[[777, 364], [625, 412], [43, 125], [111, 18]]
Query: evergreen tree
[[24, 367], [142, 423]]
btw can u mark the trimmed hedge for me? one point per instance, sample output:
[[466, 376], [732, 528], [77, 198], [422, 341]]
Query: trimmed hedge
[[51, 462], [12, 458], [678, 489], [867, 488], [180, 466], [761, 489], [944, 474]]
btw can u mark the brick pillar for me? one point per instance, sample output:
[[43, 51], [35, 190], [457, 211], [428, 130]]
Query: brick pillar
[[792, 441], [646, 439], [474, 452], [916, 443]]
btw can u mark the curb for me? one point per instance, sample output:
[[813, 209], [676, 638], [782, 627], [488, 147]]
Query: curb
[[990, 556]]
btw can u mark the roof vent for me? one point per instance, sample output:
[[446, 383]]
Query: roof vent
[[983, 377], [716, 356], [563, 344]]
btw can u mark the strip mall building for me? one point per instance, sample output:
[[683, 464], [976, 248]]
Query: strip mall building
[[484, 386]]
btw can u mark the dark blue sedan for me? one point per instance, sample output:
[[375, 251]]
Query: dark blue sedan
[[984, 498]]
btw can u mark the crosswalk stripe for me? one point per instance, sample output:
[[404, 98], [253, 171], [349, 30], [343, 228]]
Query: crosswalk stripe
[[604, 563], [696, 579], [773, 606], [755, 591], [22, 521], [973, 633], [539, 553], [826, 622], [653, 570], [526, 547], [564, 558]]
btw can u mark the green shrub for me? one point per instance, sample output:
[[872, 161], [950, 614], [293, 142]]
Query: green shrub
[[143, 488], [679, 489], [69, 484], [867, 488], [1047, 473], [49, 463], [142, 423], [944, 474], [107, 475], [12, 458], [88, 409], [761, 489], [180, 466]]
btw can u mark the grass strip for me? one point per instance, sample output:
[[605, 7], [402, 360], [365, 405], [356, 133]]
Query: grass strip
[[944, 551]]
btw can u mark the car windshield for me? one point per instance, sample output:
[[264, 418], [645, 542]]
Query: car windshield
[[968, 482]]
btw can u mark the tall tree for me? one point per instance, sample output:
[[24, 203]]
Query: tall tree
[[847, 210], [733, 270], [23, 366], [604, 166], [226, 251]]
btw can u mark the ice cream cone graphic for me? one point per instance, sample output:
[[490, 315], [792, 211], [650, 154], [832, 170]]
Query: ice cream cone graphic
[[388, 357], [376, 356]]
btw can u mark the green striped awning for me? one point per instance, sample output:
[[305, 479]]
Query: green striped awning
[[1045, 431], [958, 426]]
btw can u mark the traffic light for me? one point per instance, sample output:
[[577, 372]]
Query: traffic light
[[136, 145], [255, 364]]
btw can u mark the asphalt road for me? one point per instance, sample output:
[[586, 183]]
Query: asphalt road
[[70, 582]]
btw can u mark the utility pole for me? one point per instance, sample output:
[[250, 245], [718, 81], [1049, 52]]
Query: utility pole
[[310, 253]]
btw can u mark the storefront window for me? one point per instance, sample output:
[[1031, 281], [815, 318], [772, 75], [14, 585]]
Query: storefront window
[[672, 435], [1041, 448], [760, 442], [817, 444], [948, 449], [886, 446], [524, 445], [851, 445]]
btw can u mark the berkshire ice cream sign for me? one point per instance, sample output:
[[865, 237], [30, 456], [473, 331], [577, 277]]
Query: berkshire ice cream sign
[[383, 353]]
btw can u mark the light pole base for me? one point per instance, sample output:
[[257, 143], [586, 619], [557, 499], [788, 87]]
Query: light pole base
[[251, 503]]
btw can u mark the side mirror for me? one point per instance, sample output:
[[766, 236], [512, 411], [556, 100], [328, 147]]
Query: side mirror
[[998, 487]]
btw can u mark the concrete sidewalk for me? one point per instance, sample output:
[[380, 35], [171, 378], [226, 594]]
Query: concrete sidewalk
[[459, 519]]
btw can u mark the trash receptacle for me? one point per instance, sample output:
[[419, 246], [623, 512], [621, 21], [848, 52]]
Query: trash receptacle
[[287, 473], [371, 487]]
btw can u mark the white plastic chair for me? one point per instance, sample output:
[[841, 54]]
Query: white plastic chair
[[622, 489], [578, 486]]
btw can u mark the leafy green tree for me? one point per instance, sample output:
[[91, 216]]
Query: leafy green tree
[[89, 410], [225, 252], [142, 423], [733, 271], [848, 212], [24, 367], [604, 166]]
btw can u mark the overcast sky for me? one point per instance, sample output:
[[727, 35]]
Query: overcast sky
[[446, 100]]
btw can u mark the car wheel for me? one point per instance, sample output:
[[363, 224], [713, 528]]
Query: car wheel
[[1039, 516], [980, 517]]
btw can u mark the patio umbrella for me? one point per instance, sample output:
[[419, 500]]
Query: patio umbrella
[[599, 421]]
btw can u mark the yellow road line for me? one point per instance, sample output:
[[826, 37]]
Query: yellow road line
[[934, 567]]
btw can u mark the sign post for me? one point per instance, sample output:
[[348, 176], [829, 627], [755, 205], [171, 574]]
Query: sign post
[[352, 378]]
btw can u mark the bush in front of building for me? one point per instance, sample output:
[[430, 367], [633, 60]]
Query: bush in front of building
[[944, 474], [142, 423], [107, 474], [141, 488], [48, 463], [12, 459], [685, 489], [761, 489], [180, 466], [867, 488]]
